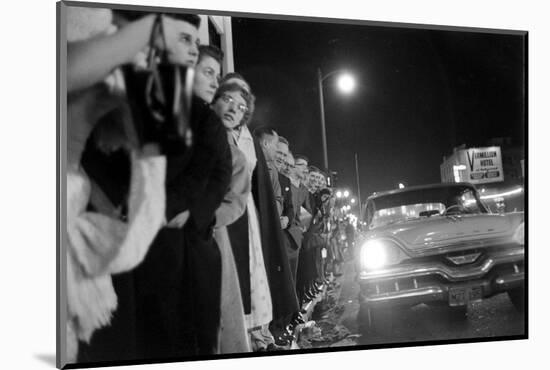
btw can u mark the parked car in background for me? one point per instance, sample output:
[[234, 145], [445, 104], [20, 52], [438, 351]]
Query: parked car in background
[[436, 244]]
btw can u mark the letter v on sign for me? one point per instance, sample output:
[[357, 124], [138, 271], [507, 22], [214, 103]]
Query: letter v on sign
[[470, 159]]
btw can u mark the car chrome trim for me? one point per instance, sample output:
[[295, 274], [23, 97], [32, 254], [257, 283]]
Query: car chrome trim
[[439, 293], [509, 279], [444, 246], [448, 272], [464, 259], [404, 294]]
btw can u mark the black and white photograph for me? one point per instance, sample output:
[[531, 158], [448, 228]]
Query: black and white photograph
[[240, 184]]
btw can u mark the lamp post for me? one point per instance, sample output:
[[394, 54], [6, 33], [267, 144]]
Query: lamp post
[[358, 186], [346, 84]]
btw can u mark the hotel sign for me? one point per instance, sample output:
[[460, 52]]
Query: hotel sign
[[483, 165]]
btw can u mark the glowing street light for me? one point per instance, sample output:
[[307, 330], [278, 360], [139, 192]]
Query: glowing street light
[[401, 186], [346, 83], [352, 200], [346, 194], [338, 194]]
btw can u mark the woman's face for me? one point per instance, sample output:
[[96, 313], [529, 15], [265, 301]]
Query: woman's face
[[230, 107], [206, 78]]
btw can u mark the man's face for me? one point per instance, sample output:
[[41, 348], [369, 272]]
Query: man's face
[[230, 107], [322, 183], [270, 146], [320, 180], [289, 169], [301, 169], [311, 182], [207, 75], [182, 41], [281, 155]]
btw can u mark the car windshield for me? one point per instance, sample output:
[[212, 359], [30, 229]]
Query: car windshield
[[422, 203]]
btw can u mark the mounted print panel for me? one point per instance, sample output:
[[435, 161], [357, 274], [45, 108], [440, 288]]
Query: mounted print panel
[[240, 184]]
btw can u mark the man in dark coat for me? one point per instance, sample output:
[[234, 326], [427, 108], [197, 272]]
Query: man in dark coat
[[280, 328], [281, 164], [287, 216], [283, 294]]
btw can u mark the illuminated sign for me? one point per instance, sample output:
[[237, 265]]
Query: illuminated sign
[[483, 165]]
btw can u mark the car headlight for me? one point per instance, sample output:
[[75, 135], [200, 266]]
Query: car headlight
[[378, 253], [519, 234]]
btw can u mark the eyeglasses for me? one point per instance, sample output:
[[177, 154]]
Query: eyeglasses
[[229, 100]]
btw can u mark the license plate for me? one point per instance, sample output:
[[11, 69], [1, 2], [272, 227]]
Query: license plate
[[461, 296]]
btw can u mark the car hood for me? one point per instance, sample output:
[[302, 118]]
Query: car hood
[[436, 231]]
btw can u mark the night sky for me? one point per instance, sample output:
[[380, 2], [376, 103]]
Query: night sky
[[420, 93]]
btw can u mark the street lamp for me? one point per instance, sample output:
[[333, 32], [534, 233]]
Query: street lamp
[[346, 83], [338, 194], [352, 200], [346, 194]]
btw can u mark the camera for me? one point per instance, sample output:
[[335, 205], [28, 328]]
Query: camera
[[160, 98], [160, 101]]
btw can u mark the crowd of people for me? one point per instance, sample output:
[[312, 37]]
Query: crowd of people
[[206, 241]]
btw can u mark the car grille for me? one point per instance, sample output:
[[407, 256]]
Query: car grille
[[467, 257], [393, 285]]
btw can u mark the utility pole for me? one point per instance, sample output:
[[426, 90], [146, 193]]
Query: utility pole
[[358, 188]]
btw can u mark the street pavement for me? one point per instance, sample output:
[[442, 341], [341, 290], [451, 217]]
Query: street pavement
[[494, 317]]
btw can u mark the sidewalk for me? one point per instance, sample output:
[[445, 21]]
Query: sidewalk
[[331, 317]]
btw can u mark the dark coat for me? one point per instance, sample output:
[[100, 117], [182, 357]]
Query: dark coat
[[238, 235], [283, 292], [295, 226], [286, 191], [179, 281]]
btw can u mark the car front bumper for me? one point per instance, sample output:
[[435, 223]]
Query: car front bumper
[[412, 284]]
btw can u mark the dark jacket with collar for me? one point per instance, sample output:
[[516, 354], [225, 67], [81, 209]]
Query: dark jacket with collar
[[286, 191], [179, 281], [283, 291]]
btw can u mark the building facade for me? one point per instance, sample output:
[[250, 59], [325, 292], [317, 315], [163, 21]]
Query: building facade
[[216, 30]]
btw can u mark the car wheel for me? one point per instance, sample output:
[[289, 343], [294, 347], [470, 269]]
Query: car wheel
[[517, 296]]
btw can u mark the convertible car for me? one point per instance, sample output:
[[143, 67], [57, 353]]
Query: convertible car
[[436, 244]]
